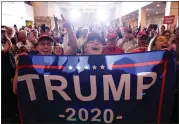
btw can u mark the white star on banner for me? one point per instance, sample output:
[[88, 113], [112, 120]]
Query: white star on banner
[[78, 67], [86, 67], [70, 67], [94, 67], [102, 66]]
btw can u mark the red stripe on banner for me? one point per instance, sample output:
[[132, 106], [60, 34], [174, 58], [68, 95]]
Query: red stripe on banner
[[41, 66], [162, 92], [137, 64]]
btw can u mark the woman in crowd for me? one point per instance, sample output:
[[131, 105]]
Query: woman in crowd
[[58, 49], [159, 43]]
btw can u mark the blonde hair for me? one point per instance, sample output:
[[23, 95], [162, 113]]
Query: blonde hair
[[58, 44]]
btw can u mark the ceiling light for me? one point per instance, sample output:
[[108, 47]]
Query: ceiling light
[[148, 14], [75, 14], [156, 12], [102, 14], [124, 17], [147, 9], [128, 16], [158, 5]]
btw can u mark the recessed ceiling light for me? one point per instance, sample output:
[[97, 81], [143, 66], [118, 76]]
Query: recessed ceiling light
[[156, 12], [158, 5], [128, 16], [38, 18], [124, 17], [148, 14], [147, 9]]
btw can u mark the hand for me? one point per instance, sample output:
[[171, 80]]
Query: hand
[[66, 24], [32, 40], [55, 18], [7, 45], [17, 60]]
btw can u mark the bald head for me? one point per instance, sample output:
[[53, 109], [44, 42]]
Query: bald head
[[22, 36]]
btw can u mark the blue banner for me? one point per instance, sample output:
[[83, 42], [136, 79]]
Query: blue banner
[[128, 88]]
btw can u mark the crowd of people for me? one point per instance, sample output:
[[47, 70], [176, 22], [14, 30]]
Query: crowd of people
[[85, 41]]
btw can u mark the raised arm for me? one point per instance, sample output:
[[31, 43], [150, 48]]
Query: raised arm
[[72, 47], [14, 83]]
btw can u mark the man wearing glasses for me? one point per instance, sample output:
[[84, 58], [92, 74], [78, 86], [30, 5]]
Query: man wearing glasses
[[45, 45]]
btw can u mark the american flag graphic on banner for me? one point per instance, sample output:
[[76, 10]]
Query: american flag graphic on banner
[[127, 88]]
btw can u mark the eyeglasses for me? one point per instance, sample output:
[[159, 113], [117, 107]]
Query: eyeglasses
[[43, 44]]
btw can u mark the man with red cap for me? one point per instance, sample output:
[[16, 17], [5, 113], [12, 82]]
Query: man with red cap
[[111, 42], [44, 47]]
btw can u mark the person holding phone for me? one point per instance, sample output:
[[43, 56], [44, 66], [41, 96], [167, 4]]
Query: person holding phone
[[70, 42]]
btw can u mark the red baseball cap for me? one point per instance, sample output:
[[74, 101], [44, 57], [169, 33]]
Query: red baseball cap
[[111, 35], [44, 36]]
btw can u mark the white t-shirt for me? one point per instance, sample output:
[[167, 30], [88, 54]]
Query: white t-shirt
[[28, 45]]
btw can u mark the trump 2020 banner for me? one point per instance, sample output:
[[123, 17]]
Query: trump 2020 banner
[[117, 89]]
